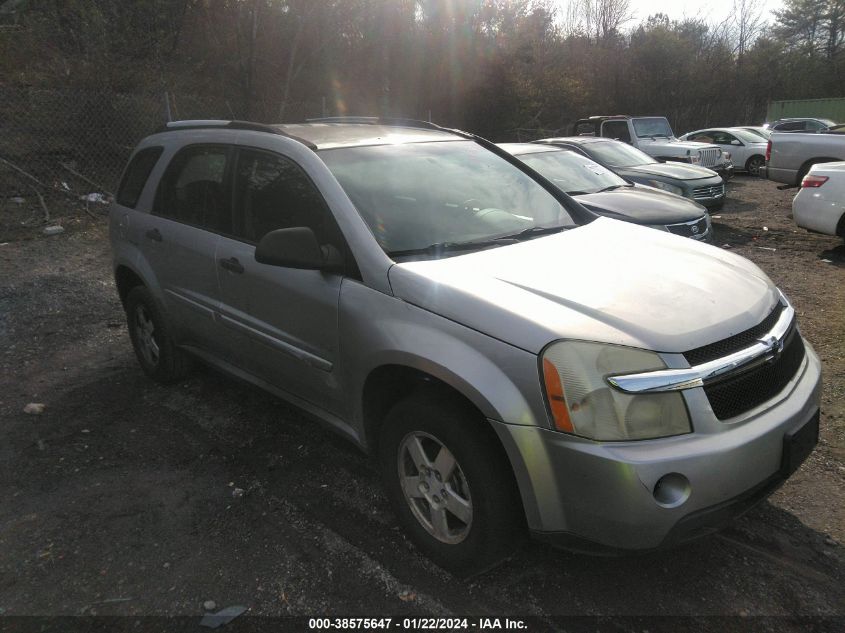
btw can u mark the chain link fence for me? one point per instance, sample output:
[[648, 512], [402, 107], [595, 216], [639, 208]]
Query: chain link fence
[[72, 145]]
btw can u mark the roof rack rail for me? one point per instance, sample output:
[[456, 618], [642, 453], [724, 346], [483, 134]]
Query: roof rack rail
[[207, 124], [375, 120]]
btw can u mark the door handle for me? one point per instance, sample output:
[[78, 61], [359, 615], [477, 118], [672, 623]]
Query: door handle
[[154, 235], [232, 265]]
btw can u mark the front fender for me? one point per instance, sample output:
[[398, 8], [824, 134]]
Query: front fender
[[376, 329]]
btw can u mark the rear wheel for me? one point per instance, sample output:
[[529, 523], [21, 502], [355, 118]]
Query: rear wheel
[[149, 331], [450, 483], [754, 164]]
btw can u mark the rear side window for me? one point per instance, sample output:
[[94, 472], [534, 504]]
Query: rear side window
[[272, 192], [194, 188], [136, 176], [792, 126]]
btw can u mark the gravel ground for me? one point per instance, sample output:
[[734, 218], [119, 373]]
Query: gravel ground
[[119, 496]]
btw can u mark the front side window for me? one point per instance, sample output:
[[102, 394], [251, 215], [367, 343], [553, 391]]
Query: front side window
[[416, 195], [573, 173], [194, 190], [723, 138], [272, 192]]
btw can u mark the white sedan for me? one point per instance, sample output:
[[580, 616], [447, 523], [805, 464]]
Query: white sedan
[[747, 149], [820, 205]]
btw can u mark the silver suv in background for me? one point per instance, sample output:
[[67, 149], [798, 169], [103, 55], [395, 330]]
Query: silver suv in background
[[507, 357]]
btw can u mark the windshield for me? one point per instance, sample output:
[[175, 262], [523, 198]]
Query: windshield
[[571, 172], [617, 154], [416, 195], [653, 126]]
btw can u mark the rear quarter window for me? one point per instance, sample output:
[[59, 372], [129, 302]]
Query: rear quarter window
[[136, 175]]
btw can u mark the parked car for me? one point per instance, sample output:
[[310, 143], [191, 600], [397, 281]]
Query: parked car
[[700, 184], [799, 124], [607, 194], [747, 150], [654, 136], [820, 204], [758, 130], [789, 157], [508, 357]]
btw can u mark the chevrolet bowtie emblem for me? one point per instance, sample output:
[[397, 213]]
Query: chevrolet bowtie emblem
[[775, 346]]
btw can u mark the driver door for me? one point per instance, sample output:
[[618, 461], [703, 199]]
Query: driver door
[[284, 320]]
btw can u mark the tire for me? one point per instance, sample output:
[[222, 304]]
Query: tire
[[149, 332], [753, 165], [479, 521]]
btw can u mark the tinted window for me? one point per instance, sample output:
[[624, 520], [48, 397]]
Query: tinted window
[[193, 190], [617, 130], [272, 192], [792, 126], [136, 176]]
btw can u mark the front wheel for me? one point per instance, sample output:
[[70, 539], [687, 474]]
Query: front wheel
[[450, 483], [754, 164]]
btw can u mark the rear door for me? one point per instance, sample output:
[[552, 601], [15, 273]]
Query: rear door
[[192, 204], [289, 316]]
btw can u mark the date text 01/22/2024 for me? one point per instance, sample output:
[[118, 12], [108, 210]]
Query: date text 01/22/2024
[[417, 624]]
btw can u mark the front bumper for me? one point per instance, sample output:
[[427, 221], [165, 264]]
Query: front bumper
[[600, 496]]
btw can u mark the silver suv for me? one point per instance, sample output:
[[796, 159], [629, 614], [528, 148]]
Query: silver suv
[[509, 359]]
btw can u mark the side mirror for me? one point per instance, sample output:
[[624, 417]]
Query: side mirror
[[736, 142], [297, 247]]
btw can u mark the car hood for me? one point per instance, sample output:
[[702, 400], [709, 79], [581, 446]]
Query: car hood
[[677, 145], [609, 281], [642, 205], [680, 171]]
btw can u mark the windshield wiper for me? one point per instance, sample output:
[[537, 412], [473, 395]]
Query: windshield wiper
[[535, 231], [444, 247], [611, 188]]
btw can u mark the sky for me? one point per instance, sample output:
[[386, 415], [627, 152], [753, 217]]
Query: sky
[[712, 10]]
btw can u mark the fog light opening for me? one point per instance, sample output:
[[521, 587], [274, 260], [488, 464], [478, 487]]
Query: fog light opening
[[671, 490]]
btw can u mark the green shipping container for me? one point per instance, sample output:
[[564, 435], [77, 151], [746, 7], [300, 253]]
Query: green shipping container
[[818, 108]]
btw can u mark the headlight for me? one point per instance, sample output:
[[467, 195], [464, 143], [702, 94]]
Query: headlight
[[583, 403], [665, 186]]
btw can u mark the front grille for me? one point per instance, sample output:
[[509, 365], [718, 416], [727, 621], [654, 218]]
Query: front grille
[[734, 343], [714, 191], [742, 391], [696, 228], [709, 157]]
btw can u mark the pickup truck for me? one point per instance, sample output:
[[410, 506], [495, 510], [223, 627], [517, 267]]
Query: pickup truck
[[654, 136], [789, 155]]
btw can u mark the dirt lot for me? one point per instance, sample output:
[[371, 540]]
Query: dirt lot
[[118, 499]]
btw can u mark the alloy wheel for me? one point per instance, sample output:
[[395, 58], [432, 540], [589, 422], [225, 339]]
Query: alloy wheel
[[145, 335], [435, 487]]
